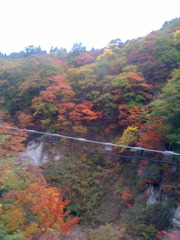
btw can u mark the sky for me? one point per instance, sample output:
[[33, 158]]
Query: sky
[[61, 23]]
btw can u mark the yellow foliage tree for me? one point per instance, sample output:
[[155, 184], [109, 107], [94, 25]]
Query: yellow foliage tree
[[128, 137]]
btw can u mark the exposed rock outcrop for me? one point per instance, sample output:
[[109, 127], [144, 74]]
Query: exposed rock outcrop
[[154, 195], [38, 154], [176, 218]]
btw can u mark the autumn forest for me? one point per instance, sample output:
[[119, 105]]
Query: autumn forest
[[126, 94]]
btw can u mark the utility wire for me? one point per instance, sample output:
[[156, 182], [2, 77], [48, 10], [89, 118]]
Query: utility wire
[[92, 152], [90, 141]]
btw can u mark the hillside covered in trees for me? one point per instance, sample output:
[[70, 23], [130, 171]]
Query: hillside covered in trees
[[126, 93]]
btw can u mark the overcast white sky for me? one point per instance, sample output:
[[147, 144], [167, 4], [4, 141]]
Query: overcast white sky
[[93, 22]]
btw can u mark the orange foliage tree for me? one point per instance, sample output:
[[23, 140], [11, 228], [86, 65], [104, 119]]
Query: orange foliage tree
[[45, 106], [137, 116], [127, 196], [57, 103], [59, 89], [29, 207], [25, 119], [139, 85], [42, 204], [9, 144], [73, 115]]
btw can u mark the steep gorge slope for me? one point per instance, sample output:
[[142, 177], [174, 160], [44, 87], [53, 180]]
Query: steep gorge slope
[[126, 93]]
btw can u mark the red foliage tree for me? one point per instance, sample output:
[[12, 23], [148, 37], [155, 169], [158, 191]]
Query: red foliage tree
[[123, 114], [150, 136], [165, 235], [84, 59]]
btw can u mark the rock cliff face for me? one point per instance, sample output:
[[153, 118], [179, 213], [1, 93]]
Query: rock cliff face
[[38, 154], [176, 218], [154, 195]]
